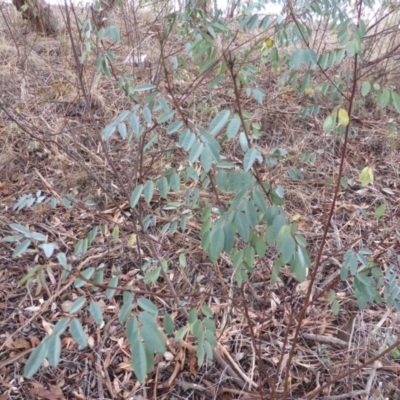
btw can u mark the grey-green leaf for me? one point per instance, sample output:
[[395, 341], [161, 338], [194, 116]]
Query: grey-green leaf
[[175, 126], [163, 187], [242, 226], [147, 305], [21, 248], [135, 196], [21, 229], [113, 283], [78, 333], [148, 191], [151, 335], [77, 305], [169, 324], [219, 121], [54, 350], [96, 312], [217, 242], [396, 101], [139, 360], [35, 360], [249, 158], [233, 127]]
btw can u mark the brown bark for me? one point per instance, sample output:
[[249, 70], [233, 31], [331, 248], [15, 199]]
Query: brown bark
[[39, 14]]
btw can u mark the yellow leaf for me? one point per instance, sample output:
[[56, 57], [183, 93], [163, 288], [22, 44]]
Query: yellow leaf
[[296, 217], [343, 117], [309, 90], [366, 176], [18, 110], [268, 43], [132, 239]]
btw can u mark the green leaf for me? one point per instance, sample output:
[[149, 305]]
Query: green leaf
[[385, 98], [180, 334], [396, 101], [98, 278], [152, 275], [135, 196], [249, 158], [258, 95], [165, 116], [38, 236], [244, 144], [249, 255], [259, 201], [139, 359], [260, 246], [196, 151], [209, 324], [229, 237], [217, 241], [125, 311], [200, 354], [285, 243], [210, 336], [233, 127], [115, 233], [150, 333], [219, 121], [21, 248], [366, 176], [21, 229], [192, 316], [60, 326], [135, 124], [54, 350], [78, 333], [87, 273], [303, 56], [77, 305], [92, 235], [35, 360], [147, 305], [17, 238], [380, 210], [122, 130], [174, 127], [148, 191], [163, 187], [149, 358], [113, 283], [297, 267], [207, 311], [208, 350], [242, 226], [329, 123], [132, 329], [144, 87], [96, 312], [169, 324], [187, 139], [206, 158], [147, 115], [207, 65], [335, 307]]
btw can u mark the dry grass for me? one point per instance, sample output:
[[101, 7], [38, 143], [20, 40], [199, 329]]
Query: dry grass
[[41, 85]]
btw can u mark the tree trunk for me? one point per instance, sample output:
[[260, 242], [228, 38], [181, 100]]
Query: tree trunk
[[39, 14]]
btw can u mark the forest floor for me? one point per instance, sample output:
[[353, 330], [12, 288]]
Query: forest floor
[[49, 147]]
